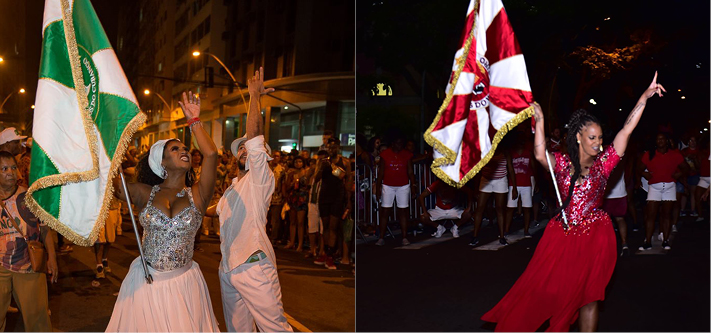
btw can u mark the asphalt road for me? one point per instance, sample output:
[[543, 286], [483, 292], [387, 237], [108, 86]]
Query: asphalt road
[[315, 298], [442, 285]]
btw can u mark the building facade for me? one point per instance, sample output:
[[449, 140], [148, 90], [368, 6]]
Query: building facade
[[310, 62]]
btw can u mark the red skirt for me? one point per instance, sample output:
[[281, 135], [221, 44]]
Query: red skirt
[[565, 273]]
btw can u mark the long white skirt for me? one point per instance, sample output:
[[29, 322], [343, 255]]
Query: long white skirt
[[176, 301]]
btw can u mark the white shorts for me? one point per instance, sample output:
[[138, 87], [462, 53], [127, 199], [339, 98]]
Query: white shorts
[[402, 193], [524, 193], [315, 223], [445, 214], [500, 185], [704, 182], [662, 192]]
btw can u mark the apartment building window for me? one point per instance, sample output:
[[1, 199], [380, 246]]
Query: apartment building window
[[181, 23], [160, 67], [182, 47]]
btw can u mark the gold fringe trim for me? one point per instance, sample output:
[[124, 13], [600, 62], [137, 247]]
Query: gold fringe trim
[[449, 155], [121, 148], [74, 177]]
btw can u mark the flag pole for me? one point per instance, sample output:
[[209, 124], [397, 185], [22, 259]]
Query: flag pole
[[148, 276], [557, 192]]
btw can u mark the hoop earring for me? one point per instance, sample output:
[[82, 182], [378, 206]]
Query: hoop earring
[[578, 141]]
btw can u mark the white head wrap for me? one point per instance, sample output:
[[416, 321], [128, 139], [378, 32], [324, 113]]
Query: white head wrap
[[155, 158]]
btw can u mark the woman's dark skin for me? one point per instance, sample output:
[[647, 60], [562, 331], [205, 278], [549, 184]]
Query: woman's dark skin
[[176, 160]]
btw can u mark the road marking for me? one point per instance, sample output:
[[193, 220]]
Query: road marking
[[511, 238], [295, 324]]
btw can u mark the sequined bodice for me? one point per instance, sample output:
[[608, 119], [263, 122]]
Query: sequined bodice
[[168, 242], [588, 194]]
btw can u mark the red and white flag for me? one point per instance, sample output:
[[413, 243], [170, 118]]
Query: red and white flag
[[487, 95]]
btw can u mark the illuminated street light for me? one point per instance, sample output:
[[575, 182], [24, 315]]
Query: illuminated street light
[[592, 101], [170, 107], [21, 91], [679, 90], [1, 59], [198, 53], [683, 97], [32, 107], [286, 107]]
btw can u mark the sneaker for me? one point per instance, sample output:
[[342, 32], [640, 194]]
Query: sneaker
[[674, 228], [535, 224], [474, 241], [683, 213], [440, 231], [405, 242], [503, 241], [635, 228], [107, 269], [699, 219], [455, 231], [645, 247], [694, 214], [380, 242], [527, 235], [329, 263], [661, 236], [100, 272], [665, 245], [320, 260], [625, 251]]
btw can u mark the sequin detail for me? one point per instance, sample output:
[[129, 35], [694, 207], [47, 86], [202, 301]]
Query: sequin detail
[[584, 209], [168, 242]]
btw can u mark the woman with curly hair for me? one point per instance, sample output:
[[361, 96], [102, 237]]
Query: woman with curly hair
[[576, 256], [172, 204]]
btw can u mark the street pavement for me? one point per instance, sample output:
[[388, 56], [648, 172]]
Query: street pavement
[[315, 298], [442, 285]]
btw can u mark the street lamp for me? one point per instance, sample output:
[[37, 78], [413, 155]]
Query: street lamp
[[1, 59], [198, 53], [22, 91], [170, 107]]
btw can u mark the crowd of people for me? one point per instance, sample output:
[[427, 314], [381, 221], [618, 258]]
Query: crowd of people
[[306, 207], [664, 176]]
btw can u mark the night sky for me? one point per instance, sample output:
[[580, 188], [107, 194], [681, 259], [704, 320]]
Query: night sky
[[674, 40]]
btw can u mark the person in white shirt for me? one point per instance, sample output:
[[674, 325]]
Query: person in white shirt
[[251, 294]]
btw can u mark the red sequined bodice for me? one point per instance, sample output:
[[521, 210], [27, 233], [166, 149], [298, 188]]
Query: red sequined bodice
[[584, 208]]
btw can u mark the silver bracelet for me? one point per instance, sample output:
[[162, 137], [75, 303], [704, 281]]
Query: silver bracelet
[[193, 124]]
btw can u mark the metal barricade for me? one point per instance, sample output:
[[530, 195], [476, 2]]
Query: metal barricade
[[368, 213]]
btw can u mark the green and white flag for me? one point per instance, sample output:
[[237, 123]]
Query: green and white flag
[[85, 115]]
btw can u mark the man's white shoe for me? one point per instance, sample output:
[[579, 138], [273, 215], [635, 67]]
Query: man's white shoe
[[455, 231], [440, 231]]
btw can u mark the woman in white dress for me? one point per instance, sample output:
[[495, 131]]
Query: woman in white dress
[[171, 205]]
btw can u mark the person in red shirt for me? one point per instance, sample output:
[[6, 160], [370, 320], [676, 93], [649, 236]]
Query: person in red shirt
[[450, 205], [521, 187], [661, 164], [395, 180]]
